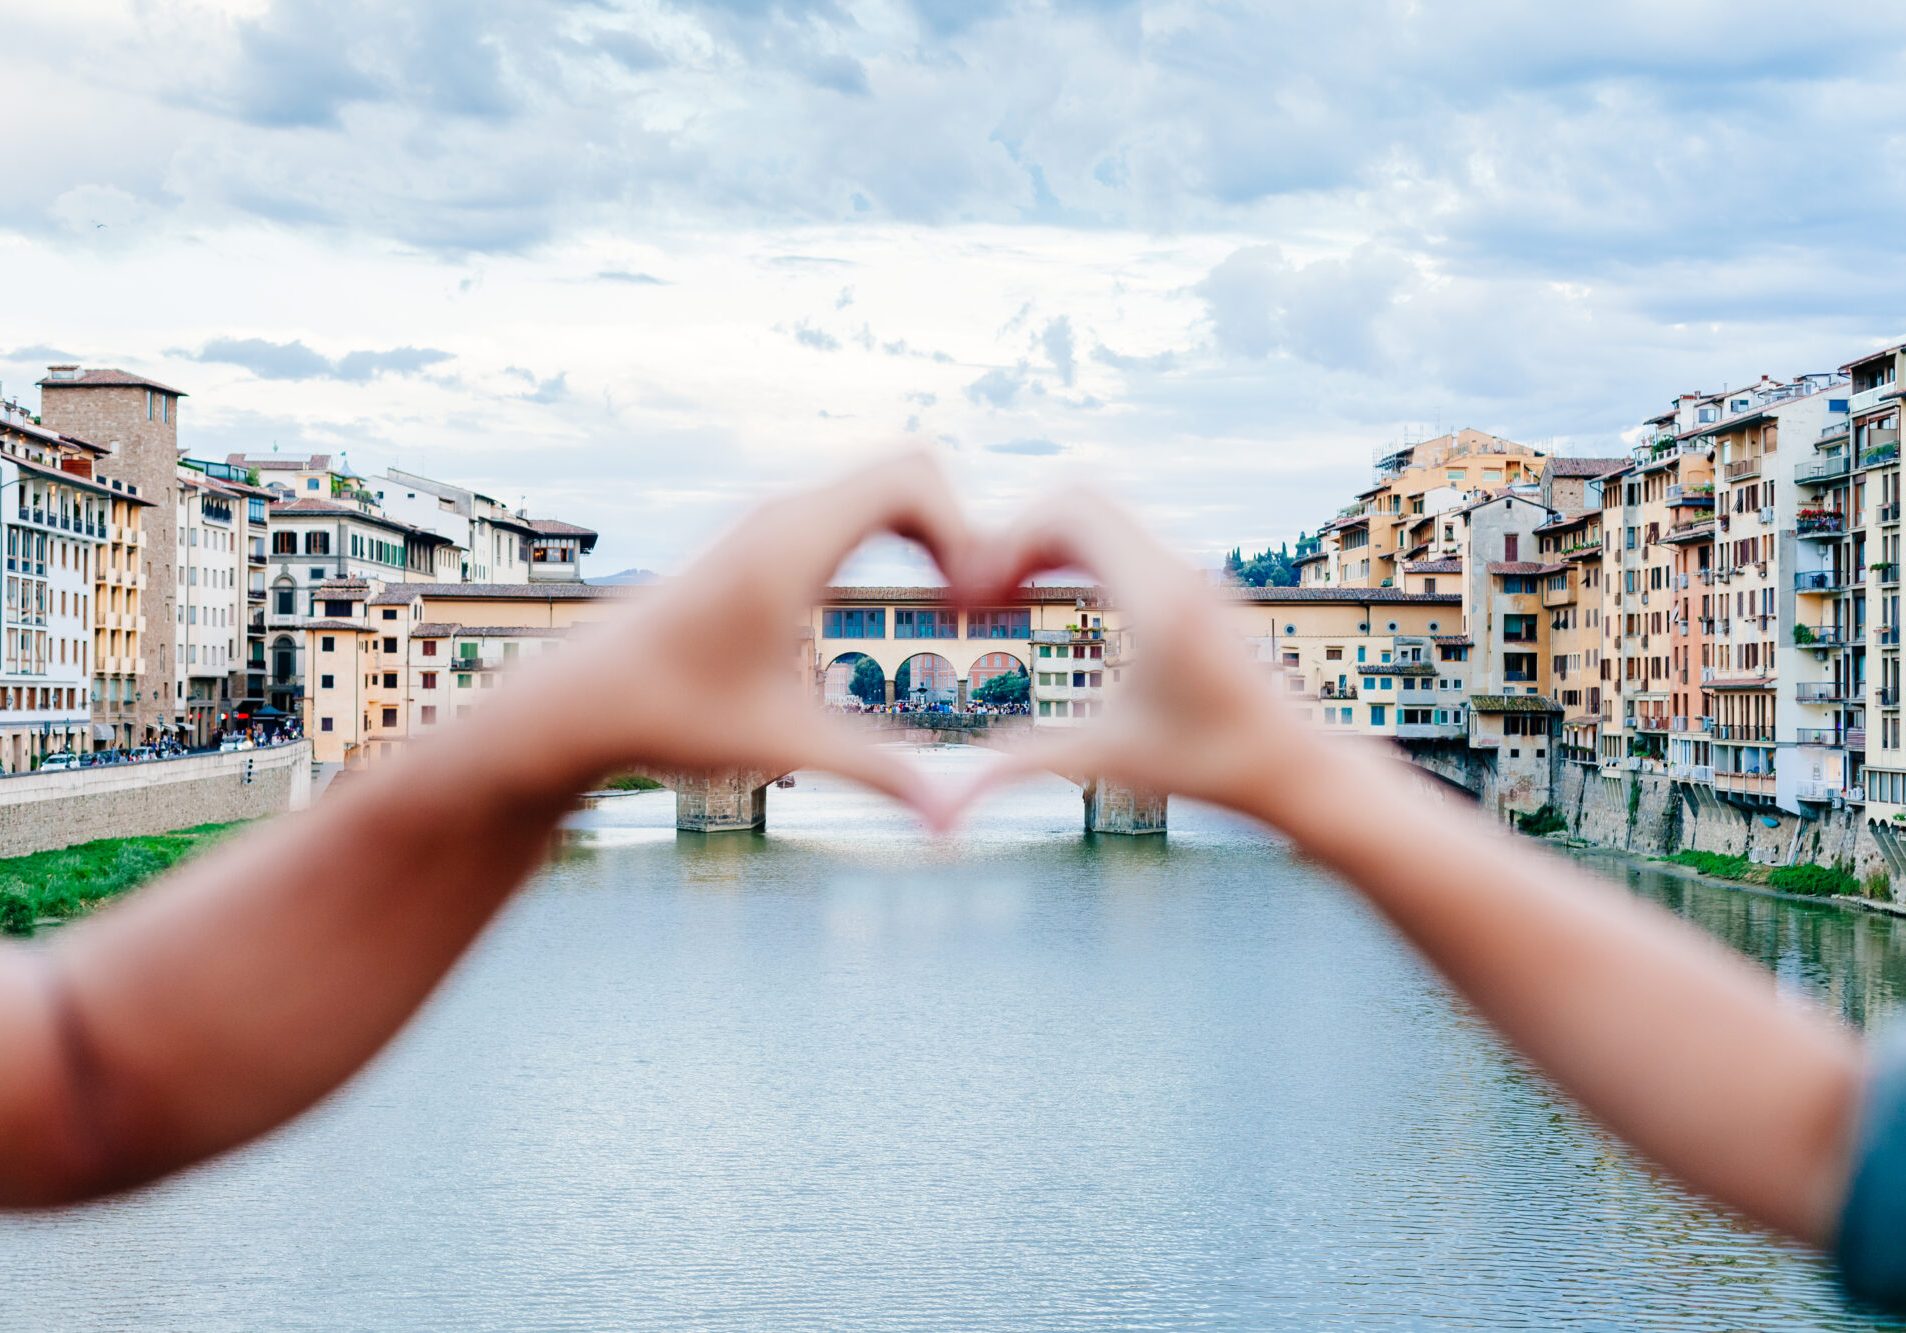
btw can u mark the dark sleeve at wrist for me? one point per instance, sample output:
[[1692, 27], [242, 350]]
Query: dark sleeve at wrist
[[1871, 1245]]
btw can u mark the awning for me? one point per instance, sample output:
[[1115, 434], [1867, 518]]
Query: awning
[[102, 732]]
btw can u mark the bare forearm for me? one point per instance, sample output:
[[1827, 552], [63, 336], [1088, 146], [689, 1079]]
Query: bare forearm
[[1680, 1046], [194, 1017]]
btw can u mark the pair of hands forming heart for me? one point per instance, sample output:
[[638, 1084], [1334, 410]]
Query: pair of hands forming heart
[[699, 678]]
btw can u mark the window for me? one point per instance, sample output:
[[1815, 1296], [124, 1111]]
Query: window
[[327, 644], [334, 606], [853, 623], [390, 680], [390, 613], [390, 643], [1378, 714], [926, 625], [429, 680], [284, 543], [1008, 623], [390, 717], [1511, 543], [428, 714], [317, 543], [430, 647], [463, 682], [311, 483], [324, 724]]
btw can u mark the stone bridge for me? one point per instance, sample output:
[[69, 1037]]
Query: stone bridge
[[1452, 764]]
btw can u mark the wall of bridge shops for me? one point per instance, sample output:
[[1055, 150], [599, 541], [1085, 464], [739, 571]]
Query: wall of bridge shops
[[42, 811], [1650, 814]]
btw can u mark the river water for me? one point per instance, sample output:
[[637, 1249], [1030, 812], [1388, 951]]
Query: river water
[[839, 1076]]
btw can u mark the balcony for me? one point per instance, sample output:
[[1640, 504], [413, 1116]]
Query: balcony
[[1889, 513], [1692, 772], [1819, 637], [1887, 698], [1744, 467], [1819, 523], [1818, 580], [1738, 734], [1881, 447], [1330, 690], [1648, 722], [1888, 636], [1887, 572], [1828, 736], [1821, 470], [1746, 784], [1819, 692], [1815, 793]]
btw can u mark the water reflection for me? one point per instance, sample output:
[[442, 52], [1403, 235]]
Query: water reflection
[[844, 1076]]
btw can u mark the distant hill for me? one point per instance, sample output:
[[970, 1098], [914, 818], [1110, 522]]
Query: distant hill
[[627, 577]]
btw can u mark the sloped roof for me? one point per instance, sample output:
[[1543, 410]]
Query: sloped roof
[[1515, 567], [1512, 703], [104, 379], [1340, 593], [398, 594], [1446, 565], [1583, 467]]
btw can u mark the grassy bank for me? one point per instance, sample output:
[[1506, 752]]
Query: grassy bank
[[1815, 881], [632, 782], [73, 880]]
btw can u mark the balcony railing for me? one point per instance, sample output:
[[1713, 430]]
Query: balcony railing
[[1430, 731], [1824, 469], [1648, 722], [1820, 523], [1819, 636], [1889, 636], [1818, 580], [1743, 467], [1819, 692], [1836, 737], [1880, 449], [1887, 572], [1752, 784], [1889, 513], [1734, 731]]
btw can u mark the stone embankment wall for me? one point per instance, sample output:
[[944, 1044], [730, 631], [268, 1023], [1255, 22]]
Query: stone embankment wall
[[1651, 815], [942, 728], [41, 811]]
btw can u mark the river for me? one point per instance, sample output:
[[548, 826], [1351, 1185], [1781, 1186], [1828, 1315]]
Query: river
[[840, 1076]]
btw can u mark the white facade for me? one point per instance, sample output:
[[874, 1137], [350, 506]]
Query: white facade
[[210, 611], [493, 541], [46, 627]]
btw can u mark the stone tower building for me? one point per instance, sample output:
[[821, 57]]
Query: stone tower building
[[138, 420]]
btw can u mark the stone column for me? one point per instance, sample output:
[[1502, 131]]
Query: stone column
[[1112, 808], [889, 689], [720, 802], [962, 696]]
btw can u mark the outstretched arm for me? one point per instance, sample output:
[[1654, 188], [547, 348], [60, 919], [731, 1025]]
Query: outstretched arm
[[1684, 1049], [217, 1004]]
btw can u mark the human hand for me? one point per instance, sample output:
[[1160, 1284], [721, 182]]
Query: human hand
[[706, 671]]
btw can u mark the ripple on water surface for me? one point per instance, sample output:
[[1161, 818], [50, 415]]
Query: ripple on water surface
[[841, 1076]]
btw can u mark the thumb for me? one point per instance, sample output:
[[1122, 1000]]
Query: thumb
[[1075, 755], [838, 748]]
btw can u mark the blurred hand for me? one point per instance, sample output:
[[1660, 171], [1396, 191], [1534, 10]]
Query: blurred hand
[[708, 671], [1193, 714]]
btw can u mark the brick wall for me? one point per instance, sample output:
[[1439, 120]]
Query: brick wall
[[146, 454], [41, 811]]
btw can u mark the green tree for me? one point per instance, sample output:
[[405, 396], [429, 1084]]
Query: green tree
[[869, 684], [1008, 687]]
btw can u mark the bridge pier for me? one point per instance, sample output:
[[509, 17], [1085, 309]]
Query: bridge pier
[[721, 802], [1113, 808]]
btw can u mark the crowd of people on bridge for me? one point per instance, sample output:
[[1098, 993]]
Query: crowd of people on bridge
[[900, 707]]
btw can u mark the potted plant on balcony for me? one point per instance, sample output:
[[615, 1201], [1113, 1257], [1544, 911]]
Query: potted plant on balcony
[[1802, 635]]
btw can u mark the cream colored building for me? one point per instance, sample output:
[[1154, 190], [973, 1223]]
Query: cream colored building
[[1416, 482]]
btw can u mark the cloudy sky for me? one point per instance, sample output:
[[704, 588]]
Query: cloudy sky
[[635, 262]]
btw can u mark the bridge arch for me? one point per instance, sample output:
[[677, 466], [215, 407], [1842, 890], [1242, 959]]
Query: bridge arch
[[847, 683], [926, 679]]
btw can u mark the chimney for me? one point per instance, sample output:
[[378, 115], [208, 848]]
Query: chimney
[[62, 372]]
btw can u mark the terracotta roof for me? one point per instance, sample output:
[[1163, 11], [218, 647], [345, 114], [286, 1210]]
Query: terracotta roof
[[343, 585], [1312, 558], [1512, 703], [350, 625], [104, 379], [1093, 595], [1876, 352], [1447, 565], [1739, 683], [1515, 567], [432, 629], [555, 527], [1396, 669], [1583, 467], [399, 594], [1452, 638], [69, 478], [306, 505]]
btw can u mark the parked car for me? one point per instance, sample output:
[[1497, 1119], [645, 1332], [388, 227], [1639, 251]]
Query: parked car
[[142, 754], [59, 763]]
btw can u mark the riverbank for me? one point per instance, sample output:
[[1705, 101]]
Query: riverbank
[[45, 888], [1764, 887]]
